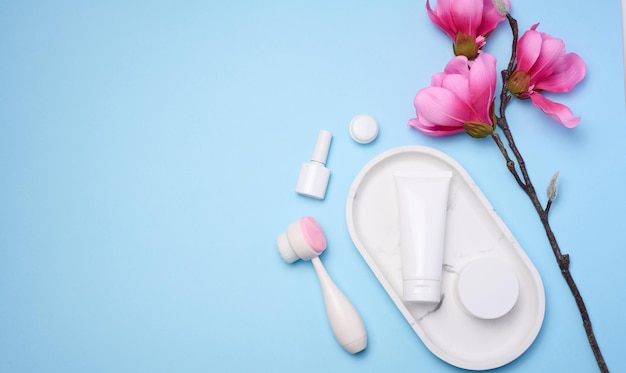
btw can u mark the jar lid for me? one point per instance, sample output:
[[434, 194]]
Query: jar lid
[[363, 129], [487, 288]]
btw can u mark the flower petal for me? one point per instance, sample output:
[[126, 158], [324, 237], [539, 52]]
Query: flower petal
[[441, 17], [458, 65], [554, 110], [482, 85], [467, 16], [440, 106], [569, 72], [552, 51], [436, 79], [491, 17], [434, 130], [459, 85], [528, 49]]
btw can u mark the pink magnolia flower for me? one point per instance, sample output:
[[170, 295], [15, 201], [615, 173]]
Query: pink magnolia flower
[[543, 65], [459, 99], [466, 22]]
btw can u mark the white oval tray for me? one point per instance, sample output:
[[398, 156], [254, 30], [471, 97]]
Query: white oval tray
[[473, 230]]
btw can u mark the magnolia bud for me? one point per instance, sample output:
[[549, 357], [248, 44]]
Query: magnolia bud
[[501, 7], [478, 129], [553, 186], [465, 45], [518, 82]]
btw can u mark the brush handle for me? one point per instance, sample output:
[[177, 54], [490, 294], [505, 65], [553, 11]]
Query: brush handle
[[343, 317]]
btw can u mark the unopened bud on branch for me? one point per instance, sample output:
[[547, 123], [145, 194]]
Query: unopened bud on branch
[[553, 186], [501, 7]]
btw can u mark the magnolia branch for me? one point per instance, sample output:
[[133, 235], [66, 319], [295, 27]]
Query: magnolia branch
[[517, 168]]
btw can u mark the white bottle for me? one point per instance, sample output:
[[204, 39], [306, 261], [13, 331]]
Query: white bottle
[[314, 175]]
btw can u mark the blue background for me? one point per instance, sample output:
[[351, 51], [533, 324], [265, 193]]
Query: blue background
[[149, 152]]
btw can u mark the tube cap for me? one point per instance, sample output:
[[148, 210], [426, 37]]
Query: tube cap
[[422, 291]]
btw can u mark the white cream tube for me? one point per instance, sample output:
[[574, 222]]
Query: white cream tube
[[422, 207]]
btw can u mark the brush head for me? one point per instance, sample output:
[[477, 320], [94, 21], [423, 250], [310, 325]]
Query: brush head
[[284, 248], [304, 239]]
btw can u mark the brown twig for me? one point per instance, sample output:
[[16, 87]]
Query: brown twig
[[520, 173]]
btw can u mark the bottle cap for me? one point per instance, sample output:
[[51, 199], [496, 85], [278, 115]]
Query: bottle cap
[[320, 153], [314, 176], [363, 129]]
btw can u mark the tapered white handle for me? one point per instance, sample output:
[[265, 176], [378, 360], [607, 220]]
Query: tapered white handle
[[343, 317]]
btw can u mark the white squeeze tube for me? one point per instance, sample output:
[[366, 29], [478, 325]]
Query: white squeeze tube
[[422, 207]]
